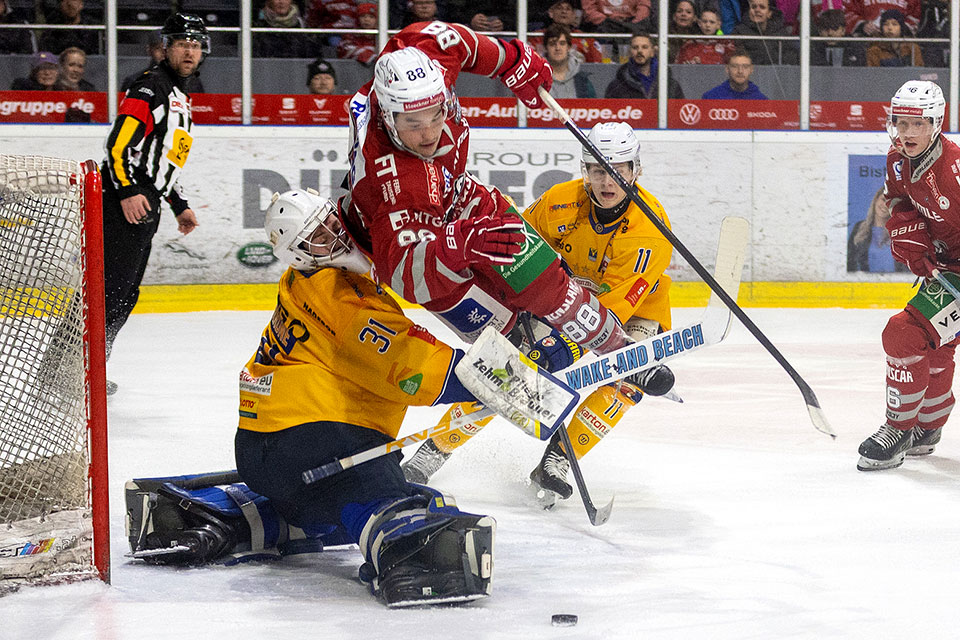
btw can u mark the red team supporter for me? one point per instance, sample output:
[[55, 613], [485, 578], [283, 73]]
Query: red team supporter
[[437, 236], [923, 193], [863, 16]]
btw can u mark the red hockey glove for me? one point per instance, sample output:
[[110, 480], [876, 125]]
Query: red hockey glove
[[525, 71], [491, 239], [910, 244]]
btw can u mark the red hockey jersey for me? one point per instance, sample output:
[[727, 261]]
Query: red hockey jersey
[[931, 191]]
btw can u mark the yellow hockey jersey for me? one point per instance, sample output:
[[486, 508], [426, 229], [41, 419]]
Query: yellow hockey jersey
[[339, 348], [623, 262]]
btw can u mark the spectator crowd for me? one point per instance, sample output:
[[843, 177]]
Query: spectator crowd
[[569, 33]]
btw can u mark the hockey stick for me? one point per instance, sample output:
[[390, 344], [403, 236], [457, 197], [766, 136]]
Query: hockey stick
[[946, 284], [817, 416], [592, 371], [597, 516]]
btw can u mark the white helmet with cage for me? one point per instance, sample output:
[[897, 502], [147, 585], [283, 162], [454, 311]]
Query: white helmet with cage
[[918, 99], [408, 80], [306, 233], [617, 142]]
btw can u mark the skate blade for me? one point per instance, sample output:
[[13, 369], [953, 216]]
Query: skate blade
[[544, 498], [866, 464], [426, 602], [922, 450]]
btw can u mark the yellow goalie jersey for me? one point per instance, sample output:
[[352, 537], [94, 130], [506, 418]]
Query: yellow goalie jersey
[[338, 348], [623, 262]]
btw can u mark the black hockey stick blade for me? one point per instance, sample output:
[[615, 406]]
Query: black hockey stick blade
[[597, 516], [809, 397]]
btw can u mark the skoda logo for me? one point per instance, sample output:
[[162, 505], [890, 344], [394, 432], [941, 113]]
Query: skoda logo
[[690, 114], [724, 114]]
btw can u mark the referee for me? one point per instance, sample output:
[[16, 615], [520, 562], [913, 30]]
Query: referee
[[147, 148]]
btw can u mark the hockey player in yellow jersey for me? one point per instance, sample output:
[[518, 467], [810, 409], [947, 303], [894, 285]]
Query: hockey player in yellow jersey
[[614, 251], [335, 371]]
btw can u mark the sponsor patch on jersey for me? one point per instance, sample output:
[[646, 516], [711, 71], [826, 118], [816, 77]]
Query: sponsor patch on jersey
[[180, 148], [433, 184], [592, 254], [636, 291], [249, 406], [411, 385], [416, 331], [478, 309], [564, 205], [262, 386]]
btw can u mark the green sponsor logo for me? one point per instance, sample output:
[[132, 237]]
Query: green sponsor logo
[[604, 288], [256, 254], [411, 385], [933, 298], [527, 266]]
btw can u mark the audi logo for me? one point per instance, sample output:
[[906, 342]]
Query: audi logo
[[724, 114], [690, 114]]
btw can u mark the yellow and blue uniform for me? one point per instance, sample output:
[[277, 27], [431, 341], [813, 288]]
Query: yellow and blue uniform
[[338, 348], [335, 371]]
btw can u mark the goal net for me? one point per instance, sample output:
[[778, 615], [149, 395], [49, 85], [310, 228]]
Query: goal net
[[53, 481]]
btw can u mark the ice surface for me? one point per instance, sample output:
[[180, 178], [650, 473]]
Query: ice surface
[[734, 518]]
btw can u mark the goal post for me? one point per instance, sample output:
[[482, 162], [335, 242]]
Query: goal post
[[54, 490]]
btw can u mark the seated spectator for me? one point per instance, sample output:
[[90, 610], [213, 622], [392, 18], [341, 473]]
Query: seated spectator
[[864, 16], [737, 85], [764, 19], [281, 14], [43, 75], [706, 51], [73, 62], [564, 13], [841, 52], [490, 15], [935, 23], [155, 55], [618, 16], [321, 78], [14, 40], [894, 54], [569, 79], [331, 14], [683, 21], [637, 78], [56, 40], [359, 47], [421, 11]]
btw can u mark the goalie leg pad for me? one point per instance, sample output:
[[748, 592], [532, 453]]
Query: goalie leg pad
[[423, 550], [170, 524]]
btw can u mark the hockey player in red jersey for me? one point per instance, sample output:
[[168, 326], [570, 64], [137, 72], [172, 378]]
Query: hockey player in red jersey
[[923, 192], [437, 236]]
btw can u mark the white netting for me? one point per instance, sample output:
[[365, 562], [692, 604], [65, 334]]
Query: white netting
[[43, 429]]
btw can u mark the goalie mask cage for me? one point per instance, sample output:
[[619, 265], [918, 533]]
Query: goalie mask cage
[[54, 523]]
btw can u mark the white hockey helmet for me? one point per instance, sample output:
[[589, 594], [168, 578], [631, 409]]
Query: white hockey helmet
[[306, 233], [617, 142], [408, 80], [919, 99]]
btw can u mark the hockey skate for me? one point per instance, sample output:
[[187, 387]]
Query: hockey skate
[[885, 449], [924, 441], [549, 478], [425, 462]]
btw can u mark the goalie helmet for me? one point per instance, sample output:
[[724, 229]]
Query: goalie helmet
[[185, 26], [408, 80], [919, 99], [617, 142], [306, 233]]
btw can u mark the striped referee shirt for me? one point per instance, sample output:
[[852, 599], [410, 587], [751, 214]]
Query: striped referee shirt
[[150, 139]]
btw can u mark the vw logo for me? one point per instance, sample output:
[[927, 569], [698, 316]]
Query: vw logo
[[690, 114], [724, 114]]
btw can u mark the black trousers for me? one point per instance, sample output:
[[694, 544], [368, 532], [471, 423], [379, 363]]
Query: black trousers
[[272, 463], [126, 250]]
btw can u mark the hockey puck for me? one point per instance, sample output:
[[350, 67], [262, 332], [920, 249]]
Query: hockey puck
[[563, 620]]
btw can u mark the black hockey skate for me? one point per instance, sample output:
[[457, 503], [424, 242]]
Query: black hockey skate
[[549, 478], [885, 449], [425, 462], [924, 441]]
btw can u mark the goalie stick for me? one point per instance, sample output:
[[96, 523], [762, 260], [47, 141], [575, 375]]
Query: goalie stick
[[592, 371], [817, 417]]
